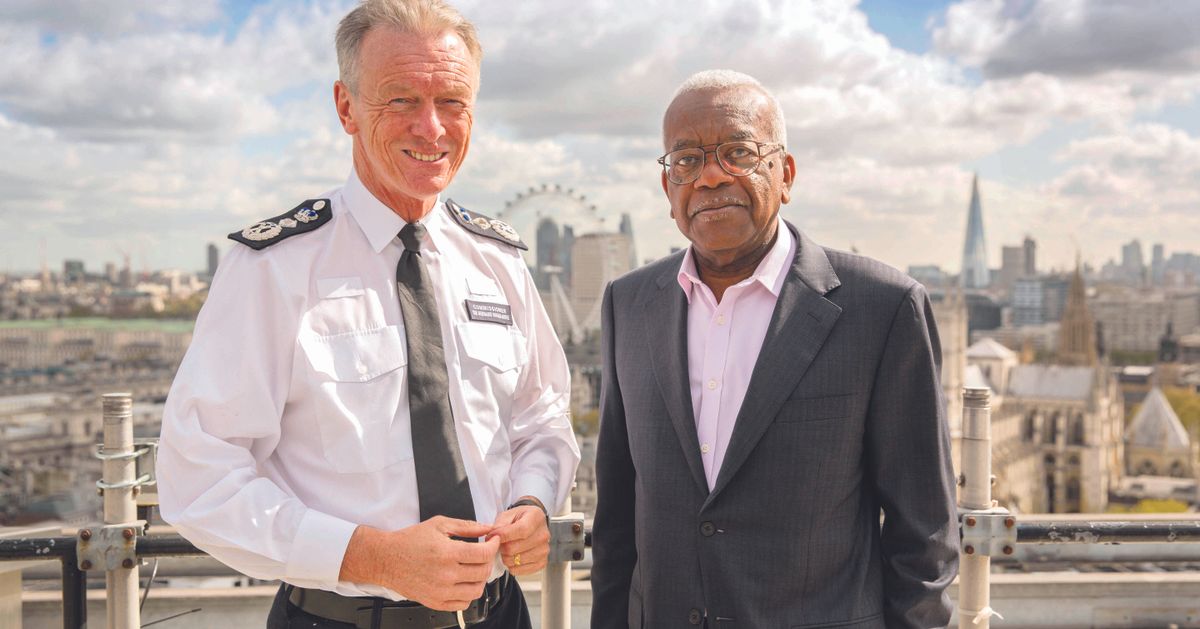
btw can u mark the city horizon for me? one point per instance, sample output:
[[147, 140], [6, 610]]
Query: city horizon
[[155, 128]]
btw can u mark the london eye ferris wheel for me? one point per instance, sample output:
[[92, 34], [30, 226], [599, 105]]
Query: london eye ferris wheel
[[549, 217]]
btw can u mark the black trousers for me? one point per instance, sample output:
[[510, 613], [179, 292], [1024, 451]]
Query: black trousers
[[511, 613]]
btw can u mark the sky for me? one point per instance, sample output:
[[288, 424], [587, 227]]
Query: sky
[[150, 128]]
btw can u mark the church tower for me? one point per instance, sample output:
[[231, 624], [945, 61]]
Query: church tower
[[1077, 332]]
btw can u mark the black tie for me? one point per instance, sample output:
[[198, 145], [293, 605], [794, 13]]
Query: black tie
[[442, 486]]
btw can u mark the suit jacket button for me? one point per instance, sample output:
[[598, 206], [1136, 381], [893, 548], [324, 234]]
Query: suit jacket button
[[695, 617], [707, 529]]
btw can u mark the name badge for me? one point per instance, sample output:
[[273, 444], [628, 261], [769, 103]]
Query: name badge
[[492, 313]]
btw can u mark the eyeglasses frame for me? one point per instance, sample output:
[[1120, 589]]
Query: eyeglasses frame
[[713, 148]]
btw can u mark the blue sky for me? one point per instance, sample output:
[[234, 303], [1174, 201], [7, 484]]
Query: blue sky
[[157, 126], [903, 22]]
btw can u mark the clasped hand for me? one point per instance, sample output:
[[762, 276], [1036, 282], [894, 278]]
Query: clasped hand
[[424, 564]]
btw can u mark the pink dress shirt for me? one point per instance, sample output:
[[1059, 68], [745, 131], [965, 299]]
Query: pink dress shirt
[[723, 343]]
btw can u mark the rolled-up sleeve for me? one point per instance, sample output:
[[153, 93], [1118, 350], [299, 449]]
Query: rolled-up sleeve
[[221, 422]]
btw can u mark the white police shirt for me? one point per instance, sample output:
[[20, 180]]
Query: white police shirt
[[287, 423]]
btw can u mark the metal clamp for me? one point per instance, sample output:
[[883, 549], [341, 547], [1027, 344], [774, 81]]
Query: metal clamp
[[100, 454], [989, 532], [144, 454], [144, 479], [112, 546], [566, 538]]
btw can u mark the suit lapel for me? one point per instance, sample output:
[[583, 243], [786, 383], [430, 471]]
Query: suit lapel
[[799, 326], [665, 325]]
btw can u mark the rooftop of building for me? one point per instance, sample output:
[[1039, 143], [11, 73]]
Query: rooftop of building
[[1156, 425], [1051, 382], [101, 324], [990, 348]]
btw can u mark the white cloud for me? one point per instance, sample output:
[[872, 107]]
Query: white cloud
[[1074, 38], [166, 129], [107, 18], [1149, 168]]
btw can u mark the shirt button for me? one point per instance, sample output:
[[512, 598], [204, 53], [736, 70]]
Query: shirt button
[[708, 529], [362, 369], [704, 448], [695, 617], [720, 319], [712, 384]]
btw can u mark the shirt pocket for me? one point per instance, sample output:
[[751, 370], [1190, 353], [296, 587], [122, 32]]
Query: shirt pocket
[[362, 383], [499, 347], [491, 357]]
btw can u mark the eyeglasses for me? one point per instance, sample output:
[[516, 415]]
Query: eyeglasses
[[739, 159]]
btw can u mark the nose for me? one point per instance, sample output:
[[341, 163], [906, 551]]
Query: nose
[[427, 125], [711, 173]]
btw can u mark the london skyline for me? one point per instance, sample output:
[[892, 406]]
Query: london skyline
[[159, 126]]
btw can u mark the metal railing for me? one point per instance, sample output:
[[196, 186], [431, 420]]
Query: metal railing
[[75, 567], [987, 531], [119, 544]]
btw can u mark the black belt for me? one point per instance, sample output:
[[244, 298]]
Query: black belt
[[359, 611]]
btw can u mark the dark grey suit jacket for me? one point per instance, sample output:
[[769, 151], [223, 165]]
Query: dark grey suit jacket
[[843, 419]]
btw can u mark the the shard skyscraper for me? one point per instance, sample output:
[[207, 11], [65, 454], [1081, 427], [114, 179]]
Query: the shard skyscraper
[[974, 261]]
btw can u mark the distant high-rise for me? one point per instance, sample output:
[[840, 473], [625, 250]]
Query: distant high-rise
[[1158, 264], [1039, 300], [214, 256], [598, 259], [549, 251], [1030, 257], [1132, 263], [567, 246], [1012, 266], [627, 229], [1028, 302], [974, 261], [73, 271]]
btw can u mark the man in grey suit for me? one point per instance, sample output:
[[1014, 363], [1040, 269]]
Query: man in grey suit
[[765, 400]]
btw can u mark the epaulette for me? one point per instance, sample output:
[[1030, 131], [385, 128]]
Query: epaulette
[[301, 219], [477, 223]]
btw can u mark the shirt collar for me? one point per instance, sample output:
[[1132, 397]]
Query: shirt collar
[[379, 223], [770, 273]]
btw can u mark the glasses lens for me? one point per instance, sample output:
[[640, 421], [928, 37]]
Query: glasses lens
[[684, 165], [739, 158]]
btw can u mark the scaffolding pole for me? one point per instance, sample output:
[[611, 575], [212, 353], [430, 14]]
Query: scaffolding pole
[[556, 584], [120, 508], [979, 517]]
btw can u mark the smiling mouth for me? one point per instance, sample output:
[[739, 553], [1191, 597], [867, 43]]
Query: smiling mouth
[[425, 157]]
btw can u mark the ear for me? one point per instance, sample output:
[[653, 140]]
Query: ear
[[789, 176], [663, 176], [341, 101]]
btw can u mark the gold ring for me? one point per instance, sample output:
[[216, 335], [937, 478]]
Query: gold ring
[[516, 560]]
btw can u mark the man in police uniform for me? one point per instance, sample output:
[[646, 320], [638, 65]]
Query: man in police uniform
[[374, 408]]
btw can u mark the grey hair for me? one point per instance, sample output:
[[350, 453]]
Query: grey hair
[[721, 80], [424, 17]]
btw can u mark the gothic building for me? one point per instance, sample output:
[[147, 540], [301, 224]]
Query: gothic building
[[1056, 428]]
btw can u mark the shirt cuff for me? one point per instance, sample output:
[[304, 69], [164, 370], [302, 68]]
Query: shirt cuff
[[318, 548], [538, 487]]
